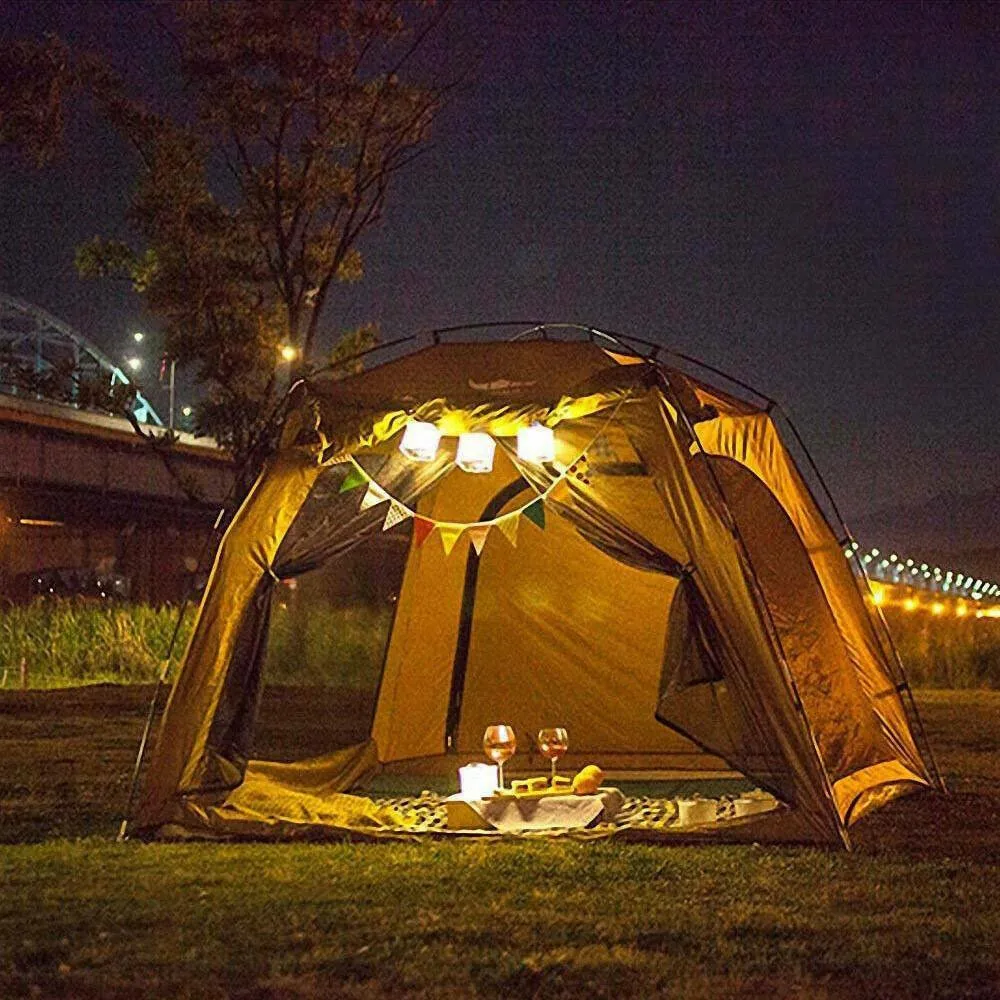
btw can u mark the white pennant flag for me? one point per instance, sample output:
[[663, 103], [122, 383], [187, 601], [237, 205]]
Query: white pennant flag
[[396, 513], [374, 496]]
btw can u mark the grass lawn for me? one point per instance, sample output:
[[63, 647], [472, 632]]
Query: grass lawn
[[911, 913]]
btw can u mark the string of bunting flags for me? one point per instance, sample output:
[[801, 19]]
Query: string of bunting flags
[[451, 531]]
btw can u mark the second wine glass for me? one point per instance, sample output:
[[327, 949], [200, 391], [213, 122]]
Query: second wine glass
[[553, 741]]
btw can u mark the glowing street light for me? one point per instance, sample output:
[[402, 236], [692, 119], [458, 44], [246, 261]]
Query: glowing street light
[[138, 336], [288, 352], [134, 364]]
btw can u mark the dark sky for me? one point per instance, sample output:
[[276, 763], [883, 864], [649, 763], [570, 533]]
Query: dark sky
[[802, 194]]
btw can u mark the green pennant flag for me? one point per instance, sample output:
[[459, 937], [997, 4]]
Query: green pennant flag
[[354, 478], [535, 512]]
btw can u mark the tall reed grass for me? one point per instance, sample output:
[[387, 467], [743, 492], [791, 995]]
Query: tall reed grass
[[947, 651], [64, 643], [67, 643]]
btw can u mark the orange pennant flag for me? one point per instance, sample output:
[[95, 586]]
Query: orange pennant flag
[[477, 535]]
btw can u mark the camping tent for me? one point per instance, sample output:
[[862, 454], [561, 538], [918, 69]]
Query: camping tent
[[665, 586]]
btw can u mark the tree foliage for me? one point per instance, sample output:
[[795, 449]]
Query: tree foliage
[[249, 207]]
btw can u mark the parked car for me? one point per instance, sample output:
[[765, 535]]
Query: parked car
[[74, 582]]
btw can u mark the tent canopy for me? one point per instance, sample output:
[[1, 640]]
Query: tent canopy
[[667, 588]]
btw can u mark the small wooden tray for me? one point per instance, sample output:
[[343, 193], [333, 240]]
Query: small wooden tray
[[542, 793]]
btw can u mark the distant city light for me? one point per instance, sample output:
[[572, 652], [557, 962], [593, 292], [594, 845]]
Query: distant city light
[[288, 352], [187, 411], [897, 570], [138, 336], [134, 363]]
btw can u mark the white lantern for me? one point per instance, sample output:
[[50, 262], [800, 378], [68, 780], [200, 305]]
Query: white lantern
[[420, 441], [477, 781], [536, 444], [475, 452]]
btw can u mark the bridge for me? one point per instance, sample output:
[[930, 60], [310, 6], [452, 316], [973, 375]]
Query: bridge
[[79, 488]]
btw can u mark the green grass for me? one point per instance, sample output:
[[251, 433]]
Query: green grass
[[911, 913]]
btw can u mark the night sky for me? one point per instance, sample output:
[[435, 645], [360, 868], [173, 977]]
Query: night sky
[[802, 194]]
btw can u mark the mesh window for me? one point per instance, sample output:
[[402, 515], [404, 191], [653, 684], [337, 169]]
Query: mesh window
[[326, 644]]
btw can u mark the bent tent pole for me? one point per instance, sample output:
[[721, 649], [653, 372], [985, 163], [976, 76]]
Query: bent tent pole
[[771, 629], [903, 682], [161, 678]]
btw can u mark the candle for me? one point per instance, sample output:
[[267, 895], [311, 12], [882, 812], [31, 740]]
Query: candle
[[477, 781]]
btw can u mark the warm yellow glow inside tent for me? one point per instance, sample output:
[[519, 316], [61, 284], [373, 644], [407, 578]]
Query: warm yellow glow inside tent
[[663, 585]]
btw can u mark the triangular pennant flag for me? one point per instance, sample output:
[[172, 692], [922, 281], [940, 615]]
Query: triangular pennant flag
[[397, 512], [508, 525], [374, 496], [535, 512], [477, 535], [450, 534], [421, 529], [354, 478]]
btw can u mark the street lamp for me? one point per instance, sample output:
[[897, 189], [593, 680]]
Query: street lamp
[[168, 365], [288, 352]]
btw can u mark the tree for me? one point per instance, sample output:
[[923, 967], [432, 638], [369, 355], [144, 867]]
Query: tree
[[249, 209]]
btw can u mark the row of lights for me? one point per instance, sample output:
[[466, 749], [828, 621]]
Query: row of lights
[[421, 439], [880, 597], [922, 574]]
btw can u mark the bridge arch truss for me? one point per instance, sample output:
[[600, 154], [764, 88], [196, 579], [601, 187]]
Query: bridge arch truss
[[37, 341]]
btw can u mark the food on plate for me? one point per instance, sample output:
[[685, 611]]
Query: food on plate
[[588, 780]]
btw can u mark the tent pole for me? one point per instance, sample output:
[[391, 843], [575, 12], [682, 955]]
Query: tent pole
[[774, 638], [162, 677], [160, 681], [902, 679]]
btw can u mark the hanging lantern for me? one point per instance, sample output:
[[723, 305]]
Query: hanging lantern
[[536, 444], [475, 452], [420, 441]]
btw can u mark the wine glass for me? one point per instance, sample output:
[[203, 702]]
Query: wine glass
[[553, 742], [499, 744]]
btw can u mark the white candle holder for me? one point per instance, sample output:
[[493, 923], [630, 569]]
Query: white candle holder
[[477, 781]]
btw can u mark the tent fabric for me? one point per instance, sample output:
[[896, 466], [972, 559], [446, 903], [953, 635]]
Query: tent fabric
[[681, 606], [753, 442]]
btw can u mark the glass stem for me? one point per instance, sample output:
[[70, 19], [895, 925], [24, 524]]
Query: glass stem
[[553, 770], [500, 770]]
